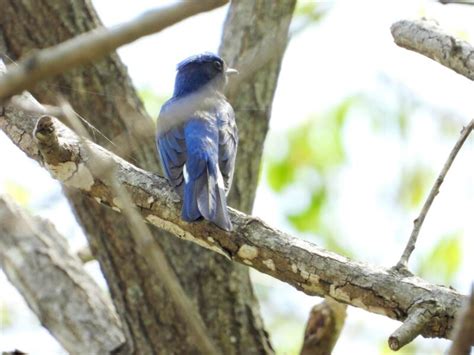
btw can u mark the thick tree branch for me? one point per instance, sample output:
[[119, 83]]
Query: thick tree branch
[[37, 261], [95, 44], [403, 262], [427, 38], [307, 267], [221, 289], [254, 41], [145, 242], [323, 328], [463, 332]]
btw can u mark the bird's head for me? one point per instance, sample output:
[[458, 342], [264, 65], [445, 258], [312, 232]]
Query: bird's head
[[201, 71]]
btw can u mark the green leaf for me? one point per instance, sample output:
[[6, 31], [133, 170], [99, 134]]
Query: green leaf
[[309, 220], [442, 262], [309, 11], [414, 185], [409, 349], [5, 316], [279, 175], [151, 101]]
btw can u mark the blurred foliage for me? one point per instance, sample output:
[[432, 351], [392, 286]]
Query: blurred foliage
[[310, 218], [442, 262], [408, 349], [308, 13], [18, 192], [5, 316], [393, 109], [152, 101], [308, 156], [287, 335], [317, 144], [310, 10], [415, 183]]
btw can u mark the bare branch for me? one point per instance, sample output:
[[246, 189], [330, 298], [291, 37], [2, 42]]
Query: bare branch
[[425, 37], [403, 262], [307, 267], [95, 44], [253, 41], [463, 333], [323, 327], [37, 261], [269, 48]]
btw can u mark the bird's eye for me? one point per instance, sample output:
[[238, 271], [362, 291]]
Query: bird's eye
[[218, 65]]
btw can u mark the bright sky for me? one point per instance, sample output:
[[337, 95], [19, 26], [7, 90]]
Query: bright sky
[[348, 52]]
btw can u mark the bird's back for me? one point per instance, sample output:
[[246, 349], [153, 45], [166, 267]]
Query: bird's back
[[197, 139], [203, 142]]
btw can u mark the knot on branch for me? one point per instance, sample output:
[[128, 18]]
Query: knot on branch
[[44, 131], [53, 151]]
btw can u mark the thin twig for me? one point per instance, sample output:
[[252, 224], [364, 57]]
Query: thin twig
[[95, 44], [403, 262], [148, 247]]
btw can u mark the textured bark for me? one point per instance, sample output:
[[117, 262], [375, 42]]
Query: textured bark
[[323, 328], [252, 25], [66, 300], [102, 93], [427, 38], [303, 265], [94, 45], [463, 332]]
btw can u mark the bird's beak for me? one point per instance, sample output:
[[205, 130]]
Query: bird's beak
[[231, 71]]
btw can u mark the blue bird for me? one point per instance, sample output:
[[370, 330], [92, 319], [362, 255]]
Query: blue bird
[[197, 139]]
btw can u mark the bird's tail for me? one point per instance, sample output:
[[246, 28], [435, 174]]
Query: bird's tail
[[205, 197]]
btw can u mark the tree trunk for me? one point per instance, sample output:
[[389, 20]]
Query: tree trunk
[[220, 289], [248, 26]]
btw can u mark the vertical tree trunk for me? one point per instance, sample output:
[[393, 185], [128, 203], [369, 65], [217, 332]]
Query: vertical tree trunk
[[248, 24], [103, 94]]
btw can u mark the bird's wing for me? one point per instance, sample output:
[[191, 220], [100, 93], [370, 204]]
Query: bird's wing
[[204, 192], [172, 149], [228, 141]]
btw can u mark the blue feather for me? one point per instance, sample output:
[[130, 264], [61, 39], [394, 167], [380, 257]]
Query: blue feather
[[202, 138]]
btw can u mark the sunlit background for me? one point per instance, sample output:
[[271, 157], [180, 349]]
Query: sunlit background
[[360, 128]]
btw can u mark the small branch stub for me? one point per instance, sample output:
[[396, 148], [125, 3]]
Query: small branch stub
[[413, 325]]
